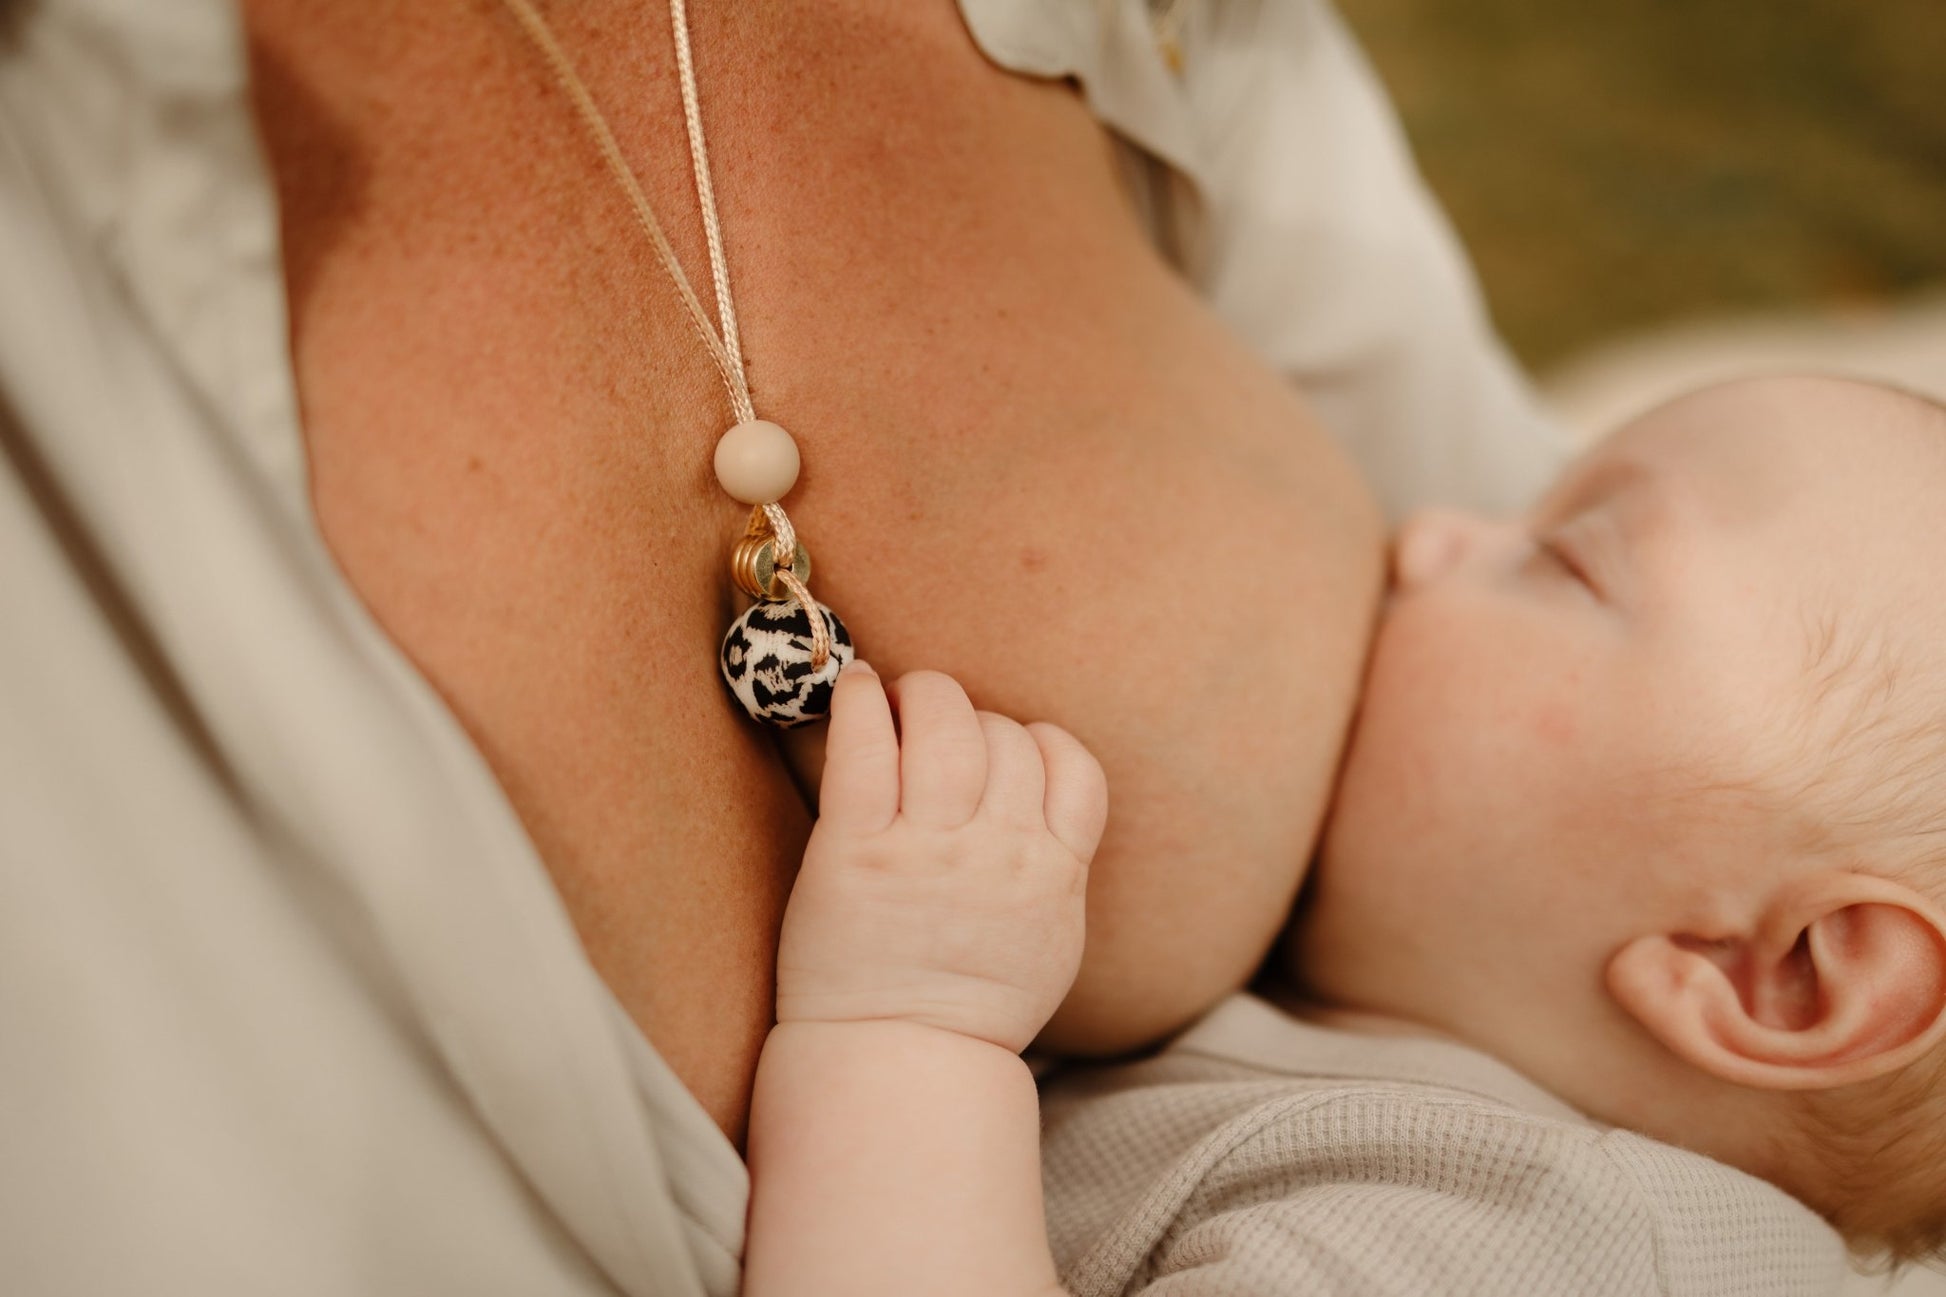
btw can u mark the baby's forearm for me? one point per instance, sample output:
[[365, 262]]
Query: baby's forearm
[[896, 1158]]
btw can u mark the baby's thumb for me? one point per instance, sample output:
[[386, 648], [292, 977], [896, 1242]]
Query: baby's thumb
[[860, 788]]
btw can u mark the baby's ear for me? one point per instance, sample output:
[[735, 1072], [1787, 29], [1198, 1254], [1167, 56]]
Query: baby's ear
[[1841, 978]]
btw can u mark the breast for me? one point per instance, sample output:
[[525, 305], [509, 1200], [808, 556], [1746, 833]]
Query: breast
[[1031, 459]]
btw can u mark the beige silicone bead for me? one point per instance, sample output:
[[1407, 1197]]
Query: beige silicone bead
[[757, 462]]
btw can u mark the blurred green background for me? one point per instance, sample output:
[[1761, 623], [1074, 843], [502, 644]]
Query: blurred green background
[[1618, 164]]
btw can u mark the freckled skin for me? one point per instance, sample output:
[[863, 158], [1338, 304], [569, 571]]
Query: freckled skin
[[510, 424]]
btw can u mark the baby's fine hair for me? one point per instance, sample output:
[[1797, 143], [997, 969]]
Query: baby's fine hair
[[1870, 782]]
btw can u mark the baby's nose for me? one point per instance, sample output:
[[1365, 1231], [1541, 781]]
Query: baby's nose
[[1432, 542]]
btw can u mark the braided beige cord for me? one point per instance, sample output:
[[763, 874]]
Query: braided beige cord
[[692, 120], [780, 527], [820, 633], [729, 362], [726, 350], [784, 546]]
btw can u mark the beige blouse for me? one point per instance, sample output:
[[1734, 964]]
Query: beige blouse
[[287, 1002]]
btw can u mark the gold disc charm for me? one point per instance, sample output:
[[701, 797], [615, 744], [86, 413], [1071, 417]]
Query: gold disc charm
[[753, 567]]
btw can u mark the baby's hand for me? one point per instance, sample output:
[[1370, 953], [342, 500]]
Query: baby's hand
[[944, 882]]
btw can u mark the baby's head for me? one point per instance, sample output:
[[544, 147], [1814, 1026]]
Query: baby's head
[[1648, 794]]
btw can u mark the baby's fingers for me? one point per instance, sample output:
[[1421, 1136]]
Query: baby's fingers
[[943, 754], [1076, 798], [860, 788], [1016, 783]]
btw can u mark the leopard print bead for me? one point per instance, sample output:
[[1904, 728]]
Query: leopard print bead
[[766, 661]]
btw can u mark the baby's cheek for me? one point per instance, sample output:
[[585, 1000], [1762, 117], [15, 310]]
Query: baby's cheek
[[1554, 725]]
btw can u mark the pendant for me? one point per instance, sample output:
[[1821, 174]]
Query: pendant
[[766, 661], [781, 665]]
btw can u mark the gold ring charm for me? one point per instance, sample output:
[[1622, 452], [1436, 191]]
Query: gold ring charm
[[753, 566]]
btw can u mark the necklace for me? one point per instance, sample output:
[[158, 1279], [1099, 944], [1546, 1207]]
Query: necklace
[[783, 654]]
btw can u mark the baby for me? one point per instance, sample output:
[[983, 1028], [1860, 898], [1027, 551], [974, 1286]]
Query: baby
[[1623, 961]]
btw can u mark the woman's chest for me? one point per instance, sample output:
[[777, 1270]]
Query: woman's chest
[[1030, 459]]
